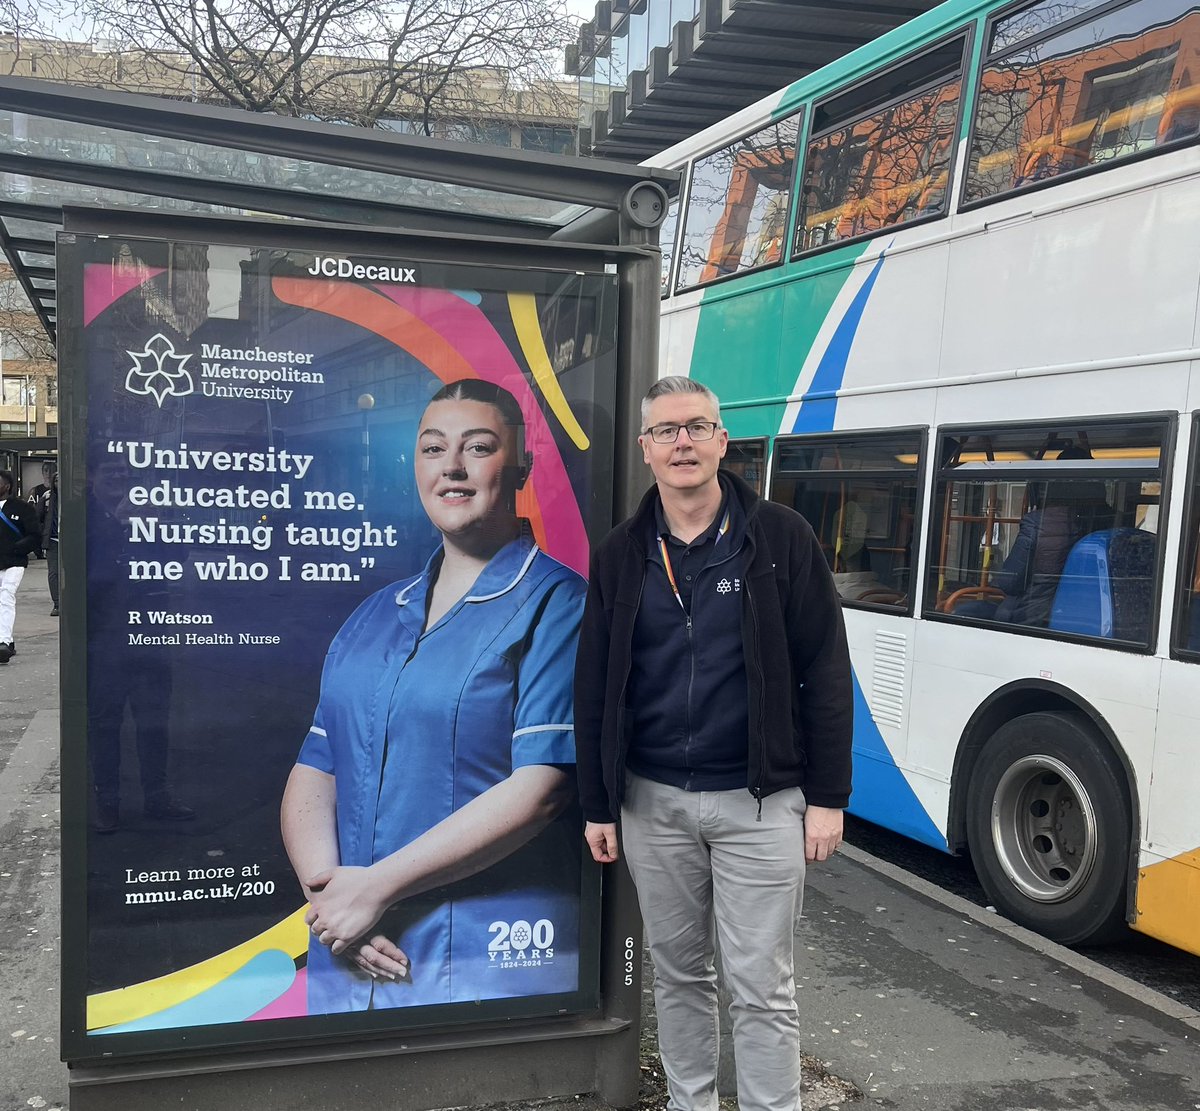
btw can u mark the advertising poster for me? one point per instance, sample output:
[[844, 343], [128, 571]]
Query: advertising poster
[[36, 472], [336, 512]]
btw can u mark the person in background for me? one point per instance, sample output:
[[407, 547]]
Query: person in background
[[19, 535], [118, 688], [713, 711], [37, 496], [48, 512], [48, 473], [1060, 514]]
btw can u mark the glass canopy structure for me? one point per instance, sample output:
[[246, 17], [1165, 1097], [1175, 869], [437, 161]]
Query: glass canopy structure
[[64, 146], [653, 72]]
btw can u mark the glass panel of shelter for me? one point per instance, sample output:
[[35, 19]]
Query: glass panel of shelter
[[1104, 90], [859, 491], [26, 189], [31, 258], [21, 228], [66, 140], [736, 216], [1049, 528]]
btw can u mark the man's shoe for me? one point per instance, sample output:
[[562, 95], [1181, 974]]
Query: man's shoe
[[6, 653], [108, 818], [166, 809], [54, 612]]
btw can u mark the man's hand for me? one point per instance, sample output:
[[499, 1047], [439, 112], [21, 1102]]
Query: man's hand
[[602, 840], [380, 958], [822, 832], [344, 904]]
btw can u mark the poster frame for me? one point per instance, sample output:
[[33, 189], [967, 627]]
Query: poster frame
[[413, 246]]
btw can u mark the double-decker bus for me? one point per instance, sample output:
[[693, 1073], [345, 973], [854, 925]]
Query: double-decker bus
[[946, 289]]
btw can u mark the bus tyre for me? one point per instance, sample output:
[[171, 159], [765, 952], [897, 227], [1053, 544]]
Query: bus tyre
[[1049, 828]]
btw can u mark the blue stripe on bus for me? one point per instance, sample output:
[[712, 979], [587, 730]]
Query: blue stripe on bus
[[819, 406], [881, 792]]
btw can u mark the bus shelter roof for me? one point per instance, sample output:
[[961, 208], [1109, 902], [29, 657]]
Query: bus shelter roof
[[63, 145]]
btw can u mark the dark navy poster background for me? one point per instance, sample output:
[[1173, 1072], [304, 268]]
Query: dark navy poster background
[[249, 469]]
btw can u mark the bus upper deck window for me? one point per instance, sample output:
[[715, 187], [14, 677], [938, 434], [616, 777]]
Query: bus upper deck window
[[736, 213], [1081, 91], [881, 153]]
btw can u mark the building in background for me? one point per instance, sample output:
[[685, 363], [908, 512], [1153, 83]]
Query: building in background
[[654, 72], [28, 377], [476, 105]]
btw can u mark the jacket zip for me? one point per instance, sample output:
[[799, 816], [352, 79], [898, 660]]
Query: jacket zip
[[687, 748], [757, 789], [692, 660]]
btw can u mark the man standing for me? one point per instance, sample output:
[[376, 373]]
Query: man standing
[[713, 706], [19, 535]]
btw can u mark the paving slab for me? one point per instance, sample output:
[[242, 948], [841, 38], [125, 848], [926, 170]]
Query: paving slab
[[923, 1000]]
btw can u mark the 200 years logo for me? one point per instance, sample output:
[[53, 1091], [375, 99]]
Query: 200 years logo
[[520, 944]]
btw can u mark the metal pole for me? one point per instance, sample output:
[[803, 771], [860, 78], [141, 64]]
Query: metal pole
[[618, 1074]]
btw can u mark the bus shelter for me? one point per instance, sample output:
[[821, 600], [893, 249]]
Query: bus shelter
[[304, 368]]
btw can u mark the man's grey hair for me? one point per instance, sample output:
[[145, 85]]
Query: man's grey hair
[[677, 383]]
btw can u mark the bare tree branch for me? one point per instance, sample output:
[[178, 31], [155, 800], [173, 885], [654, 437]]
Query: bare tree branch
[[353, 61]]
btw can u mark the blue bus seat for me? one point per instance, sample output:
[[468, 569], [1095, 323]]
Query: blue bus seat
[[1107, 586]]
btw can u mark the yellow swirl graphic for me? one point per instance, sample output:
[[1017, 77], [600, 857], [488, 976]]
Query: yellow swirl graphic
[[529, 333], [110, 1008]]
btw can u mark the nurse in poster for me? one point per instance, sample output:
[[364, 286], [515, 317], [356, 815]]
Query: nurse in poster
[[443, 744], [335, 527]]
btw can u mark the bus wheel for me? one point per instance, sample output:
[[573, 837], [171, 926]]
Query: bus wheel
[[1049, 828]]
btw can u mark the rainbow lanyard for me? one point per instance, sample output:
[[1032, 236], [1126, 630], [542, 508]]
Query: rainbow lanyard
[[666, 559]]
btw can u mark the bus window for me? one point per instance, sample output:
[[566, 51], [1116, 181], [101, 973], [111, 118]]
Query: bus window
[[859, 493], [666, 243], [1187, 627], [1049, 528], [883, 154], [748, 460], [1103, 90], [1038, 20], [736, 214]]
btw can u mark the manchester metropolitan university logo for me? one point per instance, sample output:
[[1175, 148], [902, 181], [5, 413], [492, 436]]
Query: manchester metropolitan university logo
[[158, 371]]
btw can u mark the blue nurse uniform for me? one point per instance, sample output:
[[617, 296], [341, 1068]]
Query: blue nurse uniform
[[413, 725]]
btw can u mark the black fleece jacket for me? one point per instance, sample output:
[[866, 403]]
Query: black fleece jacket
[[797, 663], [16, 544]]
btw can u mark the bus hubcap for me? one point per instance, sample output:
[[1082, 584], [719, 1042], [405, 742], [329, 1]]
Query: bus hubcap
[[1044, 829]]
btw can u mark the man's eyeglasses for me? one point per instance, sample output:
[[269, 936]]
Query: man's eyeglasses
[[696, 430]]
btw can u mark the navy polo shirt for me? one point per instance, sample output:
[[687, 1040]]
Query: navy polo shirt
[[687, 703]]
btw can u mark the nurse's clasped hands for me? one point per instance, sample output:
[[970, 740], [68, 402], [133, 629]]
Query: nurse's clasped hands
[[380, 958], [344, 904]]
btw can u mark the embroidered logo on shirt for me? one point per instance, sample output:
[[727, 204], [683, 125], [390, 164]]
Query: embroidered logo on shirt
[[724, 586]]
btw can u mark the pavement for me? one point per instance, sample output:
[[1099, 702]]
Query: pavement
[[910, 998]]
